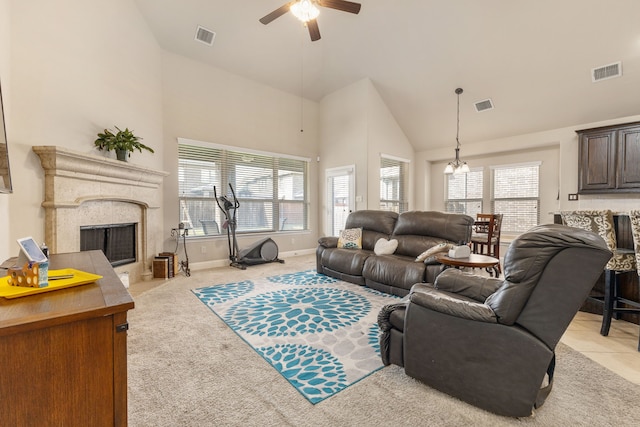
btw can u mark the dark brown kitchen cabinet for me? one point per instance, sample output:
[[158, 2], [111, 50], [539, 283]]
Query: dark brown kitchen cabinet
[[609, 159]]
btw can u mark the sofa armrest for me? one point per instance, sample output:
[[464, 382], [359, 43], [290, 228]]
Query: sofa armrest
[[328, 242], [385, 313], [454, 305], [469, 285], [390, 352]]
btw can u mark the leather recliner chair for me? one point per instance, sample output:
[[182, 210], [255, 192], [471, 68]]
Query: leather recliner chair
[[491, 342]]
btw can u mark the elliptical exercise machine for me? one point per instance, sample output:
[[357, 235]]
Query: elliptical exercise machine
[[261, 252]]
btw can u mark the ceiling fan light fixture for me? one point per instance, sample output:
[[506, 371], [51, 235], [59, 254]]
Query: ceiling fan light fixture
[[305, 10]]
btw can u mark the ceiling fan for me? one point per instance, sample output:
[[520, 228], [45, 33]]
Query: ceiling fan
[[307, 12]]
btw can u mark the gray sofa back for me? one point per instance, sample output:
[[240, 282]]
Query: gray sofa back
[[416, 231], [375, 225]]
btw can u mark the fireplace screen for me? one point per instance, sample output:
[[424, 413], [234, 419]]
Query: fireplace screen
[[117, 241]]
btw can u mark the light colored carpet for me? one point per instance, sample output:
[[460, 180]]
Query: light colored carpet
[[187, 368]]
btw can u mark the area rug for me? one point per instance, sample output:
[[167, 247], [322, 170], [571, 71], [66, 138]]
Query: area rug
[[316, 331]]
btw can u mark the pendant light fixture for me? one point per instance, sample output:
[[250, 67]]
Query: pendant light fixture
[[457, 165]]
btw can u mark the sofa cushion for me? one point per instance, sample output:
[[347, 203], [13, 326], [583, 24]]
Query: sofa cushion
[[350, 238], [398, 271], [380, 221], [455, 228], [385, 247], [375, 225], [346, 261]]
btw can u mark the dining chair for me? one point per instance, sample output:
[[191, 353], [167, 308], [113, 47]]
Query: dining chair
[[485, 238], [622, 261], [634, 218]]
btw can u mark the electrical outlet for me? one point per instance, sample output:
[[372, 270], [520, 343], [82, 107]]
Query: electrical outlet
[[203, 249], [573, 196]]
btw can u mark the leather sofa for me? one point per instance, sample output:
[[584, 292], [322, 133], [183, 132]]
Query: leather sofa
[[491, 342], [395, 274]]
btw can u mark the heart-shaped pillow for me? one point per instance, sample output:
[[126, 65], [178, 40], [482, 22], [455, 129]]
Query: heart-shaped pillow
[[385, 247]]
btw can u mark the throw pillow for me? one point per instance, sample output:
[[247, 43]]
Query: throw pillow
[[351, 238], [440, 247], [385, 247]]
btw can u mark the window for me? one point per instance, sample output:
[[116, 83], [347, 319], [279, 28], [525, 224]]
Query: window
[[464, 192], [271, 189], [393, 184], [516, 196]]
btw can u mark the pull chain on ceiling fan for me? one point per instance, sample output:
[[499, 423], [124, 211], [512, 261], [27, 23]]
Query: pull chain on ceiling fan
[[307, 12]]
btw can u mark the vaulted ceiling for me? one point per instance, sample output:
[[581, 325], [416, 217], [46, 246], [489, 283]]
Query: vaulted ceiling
[[532, 58]]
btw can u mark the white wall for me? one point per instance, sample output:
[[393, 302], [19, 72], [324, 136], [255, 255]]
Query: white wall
[[355, 128], [343, 138], [76, 67], [523, 148], [385, 137], [208, 104]]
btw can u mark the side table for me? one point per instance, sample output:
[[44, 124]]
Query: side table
[[489, 263]]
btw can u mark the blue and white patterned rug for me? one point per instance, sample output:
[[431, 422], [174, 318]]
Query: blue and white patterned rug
[[318, 332]]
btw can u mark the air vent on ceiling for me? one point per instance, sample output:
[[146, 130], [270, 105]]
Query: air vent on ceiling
[[606, 72], [485, 105], [205, 36]]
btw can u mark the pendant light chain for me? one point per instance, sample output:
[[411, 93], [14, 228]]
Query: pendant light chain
[[457, 165]]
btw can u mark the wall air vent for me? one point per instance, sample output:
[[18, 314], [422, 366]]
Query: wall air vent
[[205, 36], [485, 105], [606, 72]]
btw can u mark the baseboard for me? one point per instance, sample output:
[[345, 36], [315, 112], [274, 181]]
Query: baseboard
[[205, 265]]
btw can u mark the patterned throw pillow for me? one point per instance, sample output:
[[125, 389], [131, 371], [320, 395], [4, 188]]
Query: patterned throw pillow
[[351, 238], [440, 247]]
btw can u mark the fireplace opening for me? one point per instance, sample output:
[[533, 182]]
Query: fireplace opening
[[117, 241]]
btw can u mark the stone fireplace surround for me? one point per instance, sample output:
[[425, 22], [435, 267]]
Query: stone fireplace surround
[[83, 189]]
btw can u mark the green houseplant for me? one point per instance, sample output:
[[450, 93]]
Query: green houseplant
[[122, 142]]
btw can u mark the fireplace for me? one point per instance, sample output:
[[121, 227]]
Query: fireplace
[[84, 191], [116, 241]]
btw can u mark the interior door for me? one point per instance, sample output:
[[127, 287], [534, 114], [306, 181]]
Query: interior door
[[340, 201]]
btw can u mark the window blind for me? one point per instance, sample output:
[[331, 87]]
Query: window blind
[[271, 189], [516, 196], [465, 192], [393, 184]]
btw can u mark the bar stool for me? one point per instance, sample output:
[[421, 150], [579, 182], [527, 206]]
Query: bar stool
[[485, 237], [634, 217], [622, 261]]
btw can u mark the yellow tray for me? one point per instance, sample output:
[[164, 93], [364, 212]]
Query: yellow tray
[[78, 278]]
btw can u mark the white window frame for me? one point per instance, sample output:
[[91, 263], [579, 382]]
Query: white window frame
[[508, 221], [400, 203], [448, 203], [221, 172]]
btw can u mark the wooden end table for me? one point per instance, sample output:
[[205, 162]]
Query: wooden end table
[[489, 263]]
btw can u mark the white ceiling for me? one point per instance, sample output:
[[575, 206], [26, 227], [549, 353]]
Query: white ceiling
[[533, 58]]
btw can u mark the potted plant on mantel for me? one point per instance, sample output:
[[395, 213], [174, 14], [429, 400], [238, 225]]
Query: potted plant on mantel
[[122, 142]]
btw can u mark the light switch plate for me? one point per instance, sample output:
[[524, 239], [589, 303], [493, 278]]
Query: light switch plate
[[573, 196]]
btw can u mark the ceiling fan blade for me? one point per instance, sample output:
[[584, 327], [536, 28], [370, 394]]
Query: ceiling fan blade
[[314, 31], [276, 13], [344, 6]]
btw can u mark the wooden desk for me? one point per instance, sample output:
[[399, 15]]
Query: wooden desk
[[64, 353], [473, 261]]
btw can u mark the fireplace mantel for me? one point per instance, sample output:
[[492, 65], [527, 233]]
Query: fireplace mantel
[[84, 189]]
